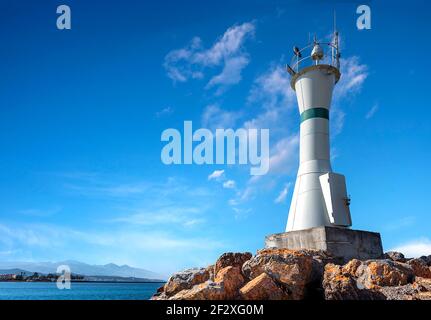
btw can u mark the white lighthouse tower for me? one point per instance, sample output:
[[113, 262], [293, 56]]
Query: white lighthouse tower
[[319, 215], [320, 197]]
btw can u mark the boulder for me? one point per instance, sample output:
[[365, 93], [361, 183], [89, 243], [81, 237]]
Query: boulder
[[185, 280], [419, 290], [205, 291], [291, 268], [420, 268], [377, 273], [339, 284], [395, 256], [230, 279], [233, 259], [427, 260], [263, 288]]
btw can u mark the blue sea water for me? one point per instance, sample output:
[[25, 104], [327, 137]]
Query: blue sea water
[[78, 291]]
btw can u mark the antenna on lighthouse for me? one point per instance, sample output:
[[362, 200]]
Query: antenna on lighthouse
[[335, 46]]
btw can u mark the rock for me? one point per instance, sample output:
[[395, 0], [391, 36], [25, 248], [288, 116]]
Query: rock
[[159, 296], [419, 290], [161, 289], [225, 287], [407, 292], [230, 279], [352, 266], [205, 291], [362, 280], [339, 284], [291, 268], [211, 271], [377, 273], [185, 280], [395, 256], [263, 288], [232, 259], [282, 274], [420, 268], [427, 260]]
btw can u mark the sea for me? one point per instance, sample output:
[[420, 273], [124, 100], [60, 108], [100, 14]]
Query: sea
[[78, 291]]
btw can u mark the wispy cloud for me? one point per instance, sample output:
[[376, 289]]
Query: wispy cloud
[[216, 175], [229, 184], [163, 251], [284, 155], [213, 117], [272, 88], [227, 53], [37, 212], [372, 111], [283, 193], [353, 75], [164, 112], [103, 190], [271, 91], [404, 222], [174, 215], [50, 236]]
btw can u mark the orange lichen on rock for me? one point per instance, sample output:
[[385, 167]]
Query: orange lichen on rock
[[263, 288]]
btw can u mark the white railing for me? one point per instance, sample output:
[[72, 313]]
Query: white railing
[[331, 56]]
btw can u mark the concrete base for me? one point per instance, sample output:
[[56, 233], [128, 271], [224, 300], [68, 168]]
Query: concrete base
[[342, 243]]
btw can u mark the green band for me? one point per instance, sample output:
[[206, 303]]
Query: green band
[[315, 113]]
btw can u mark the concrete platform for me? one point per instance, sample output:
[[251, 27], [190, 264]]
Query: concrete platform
[[342, 243]]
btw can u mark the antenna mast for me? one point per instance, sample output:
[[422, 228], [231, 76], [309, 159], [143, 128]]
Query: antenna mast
[[335, 45]]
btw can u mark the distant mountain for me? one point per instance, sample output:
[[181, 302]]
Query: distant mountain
[[81, 268], [16, 271]]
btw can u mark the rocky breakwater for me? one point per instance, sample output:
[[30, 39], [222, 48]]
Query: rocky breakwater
[[282, 274]]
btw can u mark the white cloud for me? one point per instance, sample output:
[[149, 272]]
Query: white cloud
[[284, 155], [165, 215], [216, 175], [353, 76], [415, 248], [372, 111], [106, 190], [226, 53], [56, 236], [337, 120], [241, 213], [41, 212], [273, 89], [231, 73], [213, 117], [283, 194], [229, 184]]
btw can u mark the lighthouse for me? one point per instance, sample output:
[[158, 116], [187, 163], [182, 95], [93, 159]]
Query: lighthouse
[[320, 196], [319, 215]]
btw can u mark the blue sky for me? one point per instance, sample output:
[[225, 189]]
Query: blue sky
[[82, 111]]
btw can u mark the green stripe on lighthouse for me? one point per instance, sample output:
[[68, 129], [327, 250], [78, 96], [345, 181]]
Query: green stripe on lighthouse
[[315, 113]]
